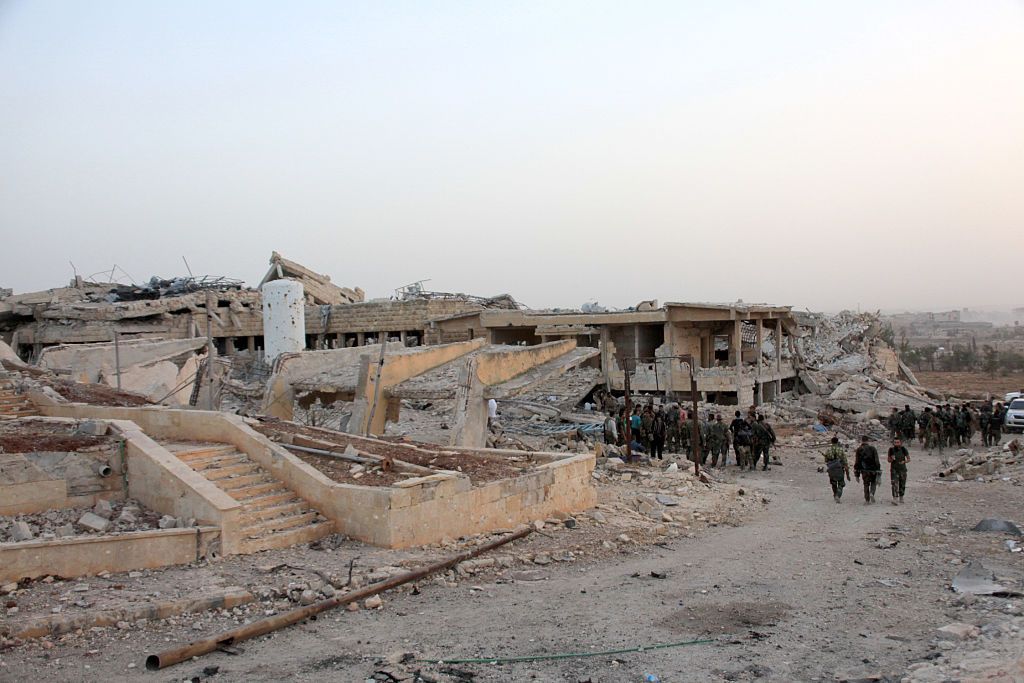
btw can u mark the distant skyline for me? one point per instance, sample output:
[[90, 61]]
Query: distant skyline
[[820, 155]]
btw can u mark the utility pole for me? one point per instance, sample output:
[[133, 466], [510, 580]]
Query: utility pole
[[628, 422], [117, 358], [209, 350], [376, 386]]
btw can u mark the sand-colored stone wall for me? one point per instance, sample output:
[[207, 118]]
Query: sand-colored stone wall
[[88, 555]]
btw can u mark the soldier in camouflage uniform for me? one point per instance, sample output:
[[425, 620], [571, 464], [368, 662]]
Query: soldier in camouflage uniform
[[837, 466], [672, 429], [718, 441], [893, 423], [908, 421], [963, 426], [898, 458], [866, 465], [995, 424], [984, 423], [763, 437]]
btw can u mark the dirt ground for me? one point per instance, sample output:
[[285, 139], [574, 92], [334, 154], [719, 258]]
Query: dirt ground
[[802, 590], [30, 436], [479, 468], [972, 384]]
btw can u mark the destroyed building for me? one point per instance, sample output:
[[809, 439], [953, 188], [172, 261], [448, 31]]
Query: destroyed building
[[726, 343], [187, 308]]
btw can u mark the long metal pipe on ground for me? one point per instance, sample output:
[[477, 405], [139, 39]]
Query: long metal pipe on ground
[[330, 454], [278, 621]]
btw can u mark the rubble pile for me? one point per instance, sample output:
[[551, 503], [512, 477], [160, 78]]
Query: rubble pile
[[847, 368], [106, 517], [1005, 463]]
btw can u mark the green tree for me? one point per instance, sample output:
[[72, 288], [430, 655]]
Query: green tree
[[990, 359]]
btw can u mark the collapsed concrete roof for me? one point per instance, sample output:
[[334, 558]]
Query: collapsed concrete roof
[[319, 288]]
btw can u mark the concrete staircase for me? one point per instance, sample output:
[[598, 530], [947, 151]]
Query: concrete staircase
[[273, 516], [13, 404]]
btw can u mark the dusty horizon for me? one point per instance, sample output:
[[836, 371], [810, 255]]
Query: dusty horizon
[[821, 156]]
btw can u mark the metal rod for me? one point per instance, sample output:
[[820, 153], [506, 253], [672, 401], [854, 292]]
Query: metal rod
[[332, 454], [278, 621]]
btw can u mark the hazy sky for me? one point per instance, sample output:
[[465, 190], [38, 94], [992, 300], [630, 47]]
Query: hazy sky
[[819, 154]]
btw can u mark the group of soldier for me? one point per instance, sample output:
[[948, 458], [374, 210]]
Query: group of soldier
[[867, 468], [655, 429], [948, 426]]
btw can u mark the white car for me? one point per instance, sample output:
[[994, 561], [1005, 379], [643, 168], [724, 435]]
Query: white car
[[1014, 421], [1012, 395]]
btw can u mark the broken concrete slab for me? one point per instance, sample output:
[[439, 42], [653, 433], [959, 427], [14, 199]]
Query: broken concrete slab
[[998, 525], [957, 631], [103, 509], [92, 428], [977, 579], [93, 522], [21, 531]]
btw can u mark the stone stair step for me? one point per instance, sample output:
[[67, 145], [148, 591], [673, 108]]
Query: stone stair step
[[262, 501], [189, 454], [214, 461], [288, 537], [260, 528], [267, 487], [242, 469], [246, 481], [291, 506]]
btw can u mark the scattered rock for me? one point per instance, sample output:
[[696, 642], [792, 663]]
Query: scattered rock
[[957, 631], [373, 602], [103, 509], [64, 531], [529, 575], [21, 531], [93, 522], [307, 597], [167, 522], [542, 559], [92, 428], [127, 517], [667, 501], [569, 522]]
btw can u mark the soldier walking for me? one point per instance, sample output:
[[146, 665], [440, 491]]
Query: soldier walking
[[741, 438], [908, 422], [866, 466], [837, 467], [894, 423], [898, 458], [763, 437]]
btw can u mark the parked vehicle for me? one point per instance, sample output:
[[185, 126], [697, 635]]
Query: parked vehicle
[[1014, 421]]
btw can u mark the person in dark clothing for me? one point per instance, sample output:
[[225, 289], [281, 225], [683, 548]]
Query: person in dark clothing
[[898, 459], [837, 467], [867, 466], [763, 436], [741, 439], [659, 429]]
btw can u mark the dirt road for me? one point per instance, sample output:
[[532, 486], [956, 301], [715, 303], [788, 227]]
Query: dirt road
[[802, 592]]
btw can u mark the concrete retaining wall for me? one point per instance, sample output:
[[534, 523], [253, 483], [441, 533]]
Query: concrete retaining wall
[[417, 511], [88, 555]]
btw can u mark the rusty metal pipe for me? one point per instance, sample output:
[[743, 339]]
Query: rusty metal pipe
[[278, 621]]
